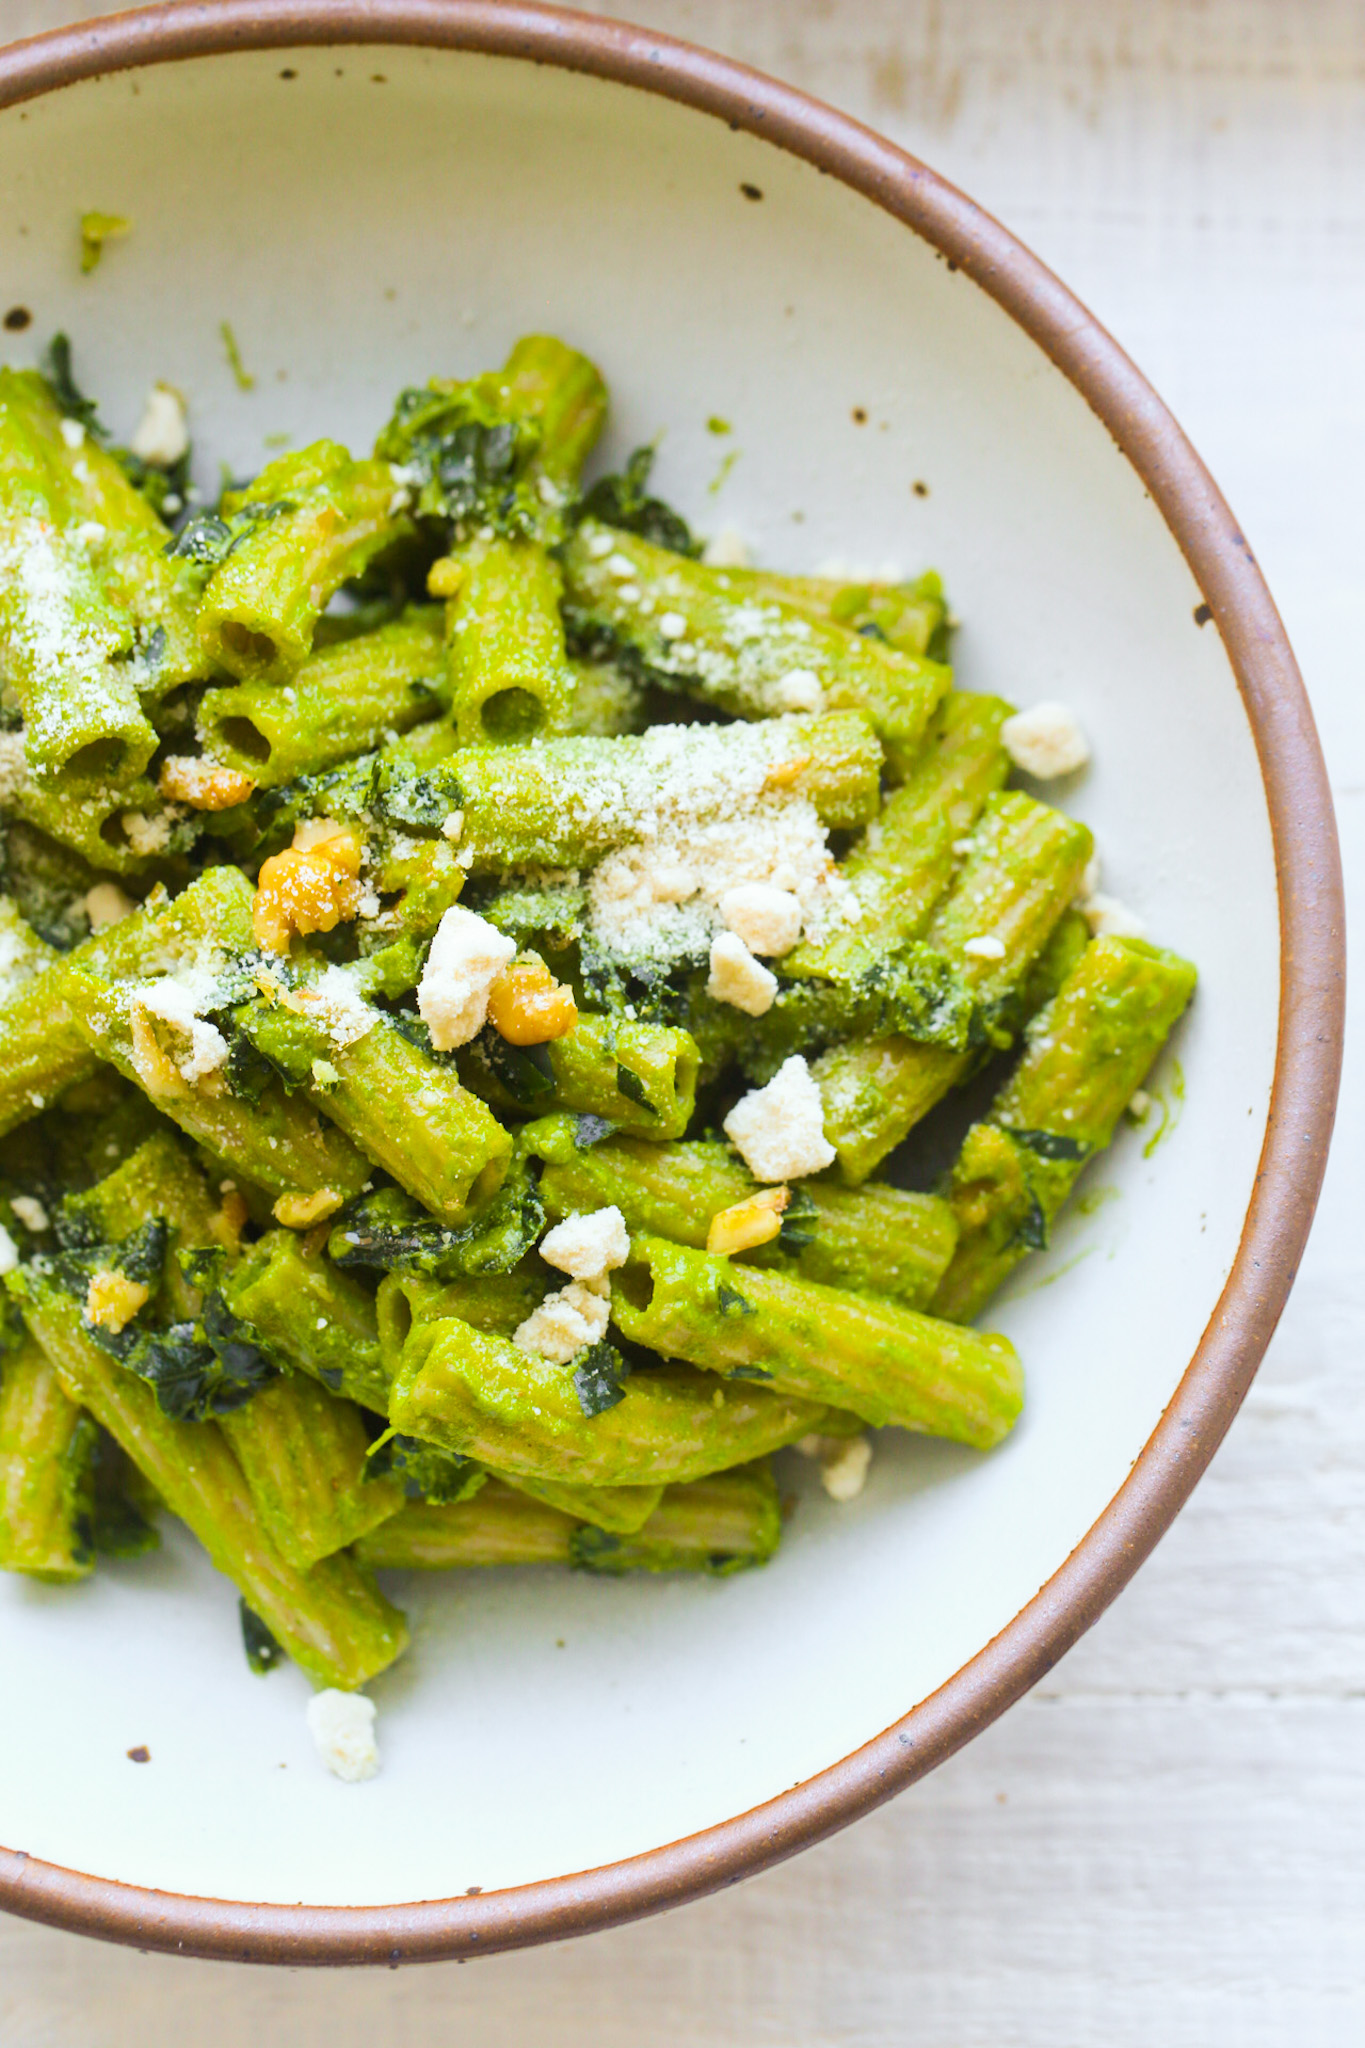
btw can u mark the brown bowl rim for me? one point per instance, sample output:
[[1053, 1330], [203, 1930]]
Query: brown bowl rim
[[1312, 991]]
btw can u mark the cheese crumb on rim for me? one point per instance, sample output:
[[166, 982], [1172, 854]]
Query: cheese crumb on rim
[[1108, 918], [342, 1727], [727, 549], [1045, 741], [587, 1246], [779, 1130], [162, 435], [843, 1472], [467, 955]]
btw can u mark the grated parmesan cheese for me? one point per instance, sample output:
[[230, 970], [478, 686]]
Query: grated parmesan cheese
[[696, 822], [334, 1002]]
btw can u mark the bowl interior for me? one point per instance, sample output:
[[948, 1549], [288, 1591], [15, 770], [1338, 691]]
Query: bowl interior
[[365, 218]]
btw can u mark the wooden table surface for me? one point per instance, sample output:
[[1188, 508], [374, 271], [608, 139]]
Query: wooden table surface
[[1162, 1846]]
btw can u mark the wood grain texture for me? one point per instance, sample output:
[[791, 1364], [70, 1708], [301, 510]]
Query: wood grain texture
[[1161, 1845]]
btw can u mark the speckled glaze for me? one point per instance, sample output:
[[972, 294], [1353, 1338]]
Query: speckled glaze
[[384, 190]]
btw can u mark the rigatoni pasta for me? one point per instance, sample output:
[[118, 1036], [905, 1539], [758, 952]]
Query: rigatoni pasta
[[470, 967]]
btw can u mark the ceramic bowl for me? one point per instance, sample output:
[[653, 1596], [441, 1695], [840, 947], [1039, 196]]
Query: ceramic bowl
[[369, 194]]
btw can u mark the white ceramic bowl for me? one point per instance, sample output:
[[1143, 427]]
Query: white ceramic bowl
[[366, 212]]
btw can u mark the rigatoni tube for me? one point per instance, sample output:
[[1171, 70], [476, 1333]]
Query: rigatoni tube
[[508, 673], [904, 861], [332, 1621], [1086, 1054], [885, 1364], [1024, 869], [344, 700], [45, 1504], [521, 1416], [303, 1453], [715, 1525], [307, 523], [875, 1239], [752, 654]]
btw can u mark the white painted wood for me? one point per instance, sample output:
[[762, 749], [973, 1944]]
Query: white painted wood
[[1162, 1843]]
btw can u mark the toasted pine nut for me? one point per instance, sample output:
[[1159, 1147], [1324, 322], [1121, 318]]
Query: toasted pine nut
[[112, 1299], [203, 785], [527, 1006], [298, 1212], [444, 577], [756, 1220]]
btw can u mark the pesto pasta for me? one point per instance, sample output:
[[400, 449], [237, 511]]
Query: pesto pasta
[[473, 967]]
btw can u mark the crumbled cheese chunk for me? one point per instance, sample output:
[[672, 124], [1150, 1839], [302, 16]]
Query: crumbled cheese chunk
[[106, 904], [1045, 741], [629, 593], [147, 836], [73, 433], [985, 948], [334, 1002], [779, 1130], [587, 1246], [342, 1726], [672, 884], [466, 957], [726, 550], [452, 825], [90, 533], [620, 566], [179, 1000], [767, 919], [799, 690], [1108, 918], [738, 979], [567, 1322], [1139, 1108], [600, 544], [672, 625], [30, 1212], [843, 1472], [162, 435], [9, 1252]]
